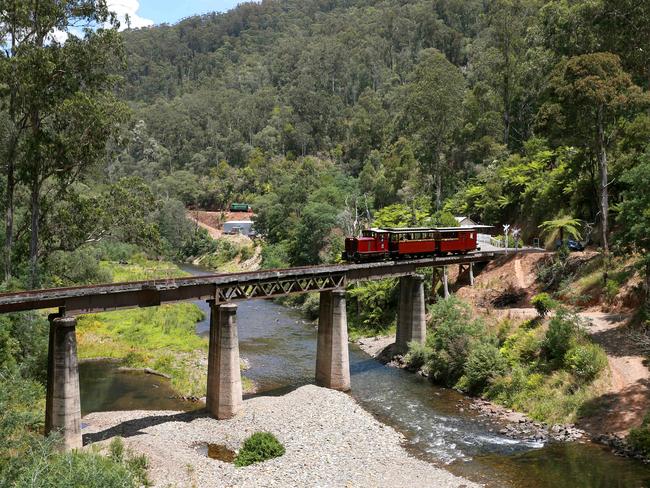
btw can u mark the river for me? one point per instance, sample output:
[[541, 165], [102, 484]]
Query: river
[[281, 349]]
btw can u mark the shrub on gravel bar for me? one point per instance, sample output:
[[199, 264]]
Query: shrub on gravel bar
[[259, 447]]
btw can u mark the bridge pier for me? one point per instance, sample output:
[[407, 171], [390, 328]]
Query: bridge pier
[[411, 317], [445, 282], [62, 401], [332, 357], [470, 272], [224, 392]]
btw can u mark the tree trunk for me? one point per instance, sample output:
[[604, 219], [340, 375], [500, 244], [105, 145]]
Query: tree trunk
[[9, 218], [33, 243], [604, 192]]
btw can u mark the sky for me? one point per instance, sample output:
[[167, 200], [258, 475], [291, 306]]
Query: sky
[[143, 13]]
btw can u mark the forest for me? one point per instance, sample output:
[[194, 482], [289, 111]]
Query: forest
[[325, 116]]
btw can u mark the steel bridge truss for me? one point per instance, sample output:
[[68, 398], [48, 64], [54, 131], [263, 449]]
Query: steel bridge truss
[[279, 287]]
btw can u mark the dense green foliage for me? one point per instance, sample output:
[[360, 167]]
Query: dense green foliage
[[259, 447], [548, 370], [26, 458]]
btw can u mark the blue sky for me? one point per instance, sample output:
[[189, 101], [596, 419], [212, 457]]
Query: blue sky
[[147, 12], [172, 11]]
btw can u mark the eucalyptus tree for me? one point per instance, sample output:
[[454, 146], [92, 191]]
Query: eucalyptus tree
[[432, 112], [588, 94], [57, 87]]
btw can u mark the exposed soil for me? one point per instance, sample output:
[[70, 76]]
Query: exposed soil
[[508, 280], [628, 397], [213, 221]]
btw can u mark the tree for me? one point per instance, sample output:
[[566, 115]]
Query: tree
[[634, 215], [499, 55], [432, 112], [59, 96], [588, 94], [561, 226]]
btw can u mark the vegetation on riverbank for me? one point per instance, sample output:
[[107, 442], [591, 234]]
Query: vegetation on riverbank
[[546, 368], [26, 458], [259, 447], [161, 338]]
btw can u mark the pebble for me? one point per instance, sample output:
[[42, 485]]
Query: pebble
[[329, 441]]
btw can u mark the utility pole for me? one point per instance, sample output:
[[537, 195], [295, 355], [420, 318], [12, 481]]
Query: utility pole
[[505, 235]]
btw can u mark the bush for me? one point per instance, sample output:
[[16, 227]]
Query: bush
[[417, 356], [257, 448], [76, 267], [484, 364], [453, 332], [46, 468], [639, 437], [543, 303], [372, 306], [561, 335], [311, 306], [522, 346], [612, 288], [586, 361]]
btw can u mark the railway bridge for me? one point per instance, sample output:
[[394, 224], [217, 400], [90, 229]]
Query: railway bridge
[[222, 292]]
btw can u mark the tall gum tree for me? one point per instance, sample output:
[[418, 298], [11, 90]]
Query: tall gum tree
[[57, 87], [588, 95], [432, 112]]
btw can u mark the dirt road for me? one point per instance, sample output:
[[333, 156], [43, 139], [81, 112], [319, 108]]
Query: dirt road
[[628, 397]]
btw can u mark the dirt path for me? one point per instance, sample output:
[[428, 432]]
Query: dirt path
[[214, 233], [628, 398]]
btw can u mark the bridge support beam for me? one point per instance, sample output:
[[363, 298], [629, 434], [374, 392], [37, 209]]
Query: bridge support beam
[[332, 357], [224, 395], [62, 401], [445, 282], [471, 274], [411, 318]]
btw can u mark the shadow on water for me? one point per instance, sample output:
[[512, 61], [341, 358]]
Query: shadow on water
[[281, 349]]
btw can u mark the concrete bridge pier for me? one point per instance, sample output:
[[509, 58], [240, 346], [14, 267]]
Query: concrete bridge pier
[[470, 272], [332, 356], [224, 395], [62, 403], [445, 282], [411, 317]]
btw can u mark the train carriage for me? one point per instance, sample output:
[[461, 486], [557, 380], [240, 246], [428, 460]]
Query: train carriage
[[410, 242]]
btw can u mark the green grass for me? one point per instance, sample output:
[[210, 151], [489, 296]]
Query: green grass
[[142, 270], [162, 338]]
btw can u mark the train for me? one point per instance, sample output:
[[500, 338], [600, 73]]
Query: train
[[394, 243]]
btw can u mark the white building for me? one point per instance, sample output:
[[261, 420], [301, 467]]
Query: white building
[[243, 227], [465, 222]]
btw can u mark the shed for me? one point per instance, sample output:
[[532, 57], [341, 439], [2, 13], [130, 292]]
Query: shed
[[465, 222], [243, 227]]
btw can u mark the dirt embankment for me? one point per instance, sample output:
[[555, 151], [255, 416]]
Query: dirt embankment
[[507, 282], [627, 399]]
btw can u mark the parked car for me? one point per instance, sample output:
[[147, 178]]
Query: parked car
[[571, 244]]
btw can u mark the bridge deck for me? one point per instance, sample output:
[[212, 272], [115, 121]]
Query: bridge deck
[[222, 287]]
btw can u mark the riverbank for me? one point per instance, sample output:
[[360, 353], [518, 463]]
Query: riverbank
[[330, 440], [161, 339]]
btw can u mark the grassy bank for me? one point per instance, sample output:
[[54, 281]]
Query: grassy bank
[[162, 338], [545, 367]]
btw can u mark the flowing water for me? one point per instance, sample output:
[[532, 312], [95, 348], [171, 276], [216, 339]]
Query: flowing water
[[281, 349]]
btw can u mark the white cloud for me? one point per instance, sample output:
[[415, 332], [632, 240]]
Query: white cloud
[[128, 7]]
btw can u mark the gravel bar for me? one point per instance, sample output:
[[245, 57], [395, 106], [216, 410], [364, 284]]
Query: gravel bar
[[330, 441]]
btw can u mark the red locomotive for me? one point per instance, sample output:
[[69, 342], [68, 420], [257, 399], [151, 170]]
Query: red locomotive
[[414, 242]]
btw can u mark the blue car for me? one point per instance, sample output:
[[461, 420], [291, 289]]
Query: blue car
[[573, 245]]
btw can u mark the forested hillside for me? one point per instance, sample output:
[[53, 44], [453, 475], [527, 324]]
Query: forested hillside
[[505, 110]]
